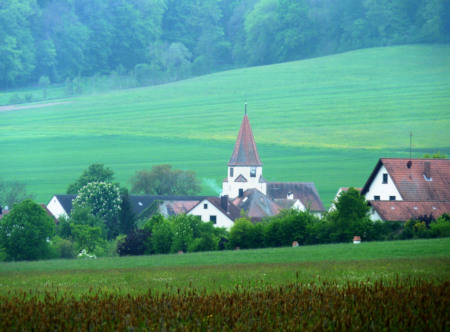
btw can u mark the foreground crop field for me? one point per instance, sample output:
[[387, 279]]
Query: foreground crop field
[[402, 285], [342, 263], [397, 305], [325, 120]]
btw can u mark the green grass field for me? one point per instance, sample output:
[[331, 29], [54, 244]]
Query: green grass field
[[325, 120], [341, 263]]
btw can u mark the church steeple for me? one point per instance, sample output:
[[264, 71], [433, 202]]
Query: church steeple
[[245, 152], [245, 167]]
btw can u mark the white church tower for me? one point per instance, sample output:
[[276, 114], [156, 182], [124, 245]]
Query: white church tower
[[245, 167]]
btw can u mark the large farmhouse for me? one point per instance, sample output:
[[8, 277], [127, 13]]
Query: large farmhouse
[[244, 189], [402, 189]]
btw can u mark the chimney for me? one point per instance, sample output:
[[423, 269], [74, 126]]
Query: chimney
[[224, 202], [427, 170]]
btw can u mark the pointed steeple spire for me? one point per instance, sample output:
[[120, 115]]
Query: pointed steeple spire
[[245, 152]]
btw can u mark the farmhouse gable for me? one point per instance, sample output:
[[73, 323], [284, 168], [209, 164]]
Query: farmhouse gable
[[409, 180], [61, 205], [401, 189], [218, 210]]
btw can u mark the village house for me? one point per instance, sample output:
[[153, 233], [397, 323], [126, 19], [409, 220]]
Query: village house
[[402, 189], [219, 210], [243, 189]]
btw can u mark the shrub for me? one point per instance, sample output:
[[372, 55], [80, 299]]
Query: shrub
[[441, 227], [134, 244], [162, 236], [207, 242], [64, 248], [245, 235]]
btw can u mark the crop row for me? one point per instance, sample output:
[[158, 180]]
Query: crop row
[[394, 305]]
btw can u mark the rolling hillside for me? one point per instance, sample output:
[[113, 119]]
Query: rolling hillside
[[325, 120]]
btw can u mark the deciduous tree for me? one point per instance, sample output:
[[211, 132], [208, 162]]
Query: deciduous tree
[[25, 230], [162, 180], [94, 173], [13, 192]]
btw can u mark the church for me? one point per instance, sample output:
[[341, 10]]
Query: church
[[244, 189], [249, 191]]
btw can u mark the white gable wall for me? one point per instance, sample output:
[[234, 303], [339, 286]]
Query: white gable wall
[[374, 216], [231, 188], [55, 207], [384, 190], [211, 210], [299, 206]]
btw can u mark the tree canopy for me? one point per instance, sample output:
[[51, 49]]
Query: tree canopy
[[25, 230], [163, 180], [13, 192], [161, 40], [94, 173]]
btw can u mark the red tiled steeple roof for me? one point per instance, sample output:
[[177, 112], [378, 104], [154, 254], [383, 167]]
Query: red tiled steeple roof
[[245, 152]]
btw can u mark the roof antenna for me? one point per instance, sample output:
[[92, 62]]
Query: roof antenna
[[409, 163], [245, 108]]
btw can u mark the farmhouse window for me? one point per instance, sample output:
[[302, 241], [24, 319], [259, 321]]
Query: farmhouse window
[[392, 198], [213, 219], [376, 198], [241, 192], [385, 178], [231, 172], [253, 172], [205, 206]]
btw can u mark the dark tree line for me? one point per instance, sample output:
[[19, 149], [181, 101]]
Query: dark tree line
[[164, 40]]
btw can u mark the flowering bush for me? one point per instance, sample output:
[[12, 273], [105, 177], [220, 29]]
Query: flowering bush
[[84, 254], [102, 198]]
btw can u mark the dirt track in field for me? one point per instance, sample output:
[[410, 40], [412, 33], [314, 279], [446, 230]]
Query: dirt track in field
[[8, 108]]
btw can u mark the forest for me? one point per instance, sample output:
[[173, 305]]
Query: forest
[[157, 41]]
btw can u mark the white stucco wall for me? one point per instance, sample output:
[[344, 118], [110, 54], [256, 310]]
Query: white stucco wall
[[384, 190], [231, 188], [221, 219], [374, 216], [55, 207]]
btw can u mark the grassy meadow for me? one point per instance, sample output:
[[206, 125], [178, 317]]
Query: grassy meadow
[[341, 263], [325, 120]]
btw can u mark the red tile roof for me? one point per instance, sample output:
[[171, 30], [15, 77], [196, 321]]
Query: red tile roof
[[233, 212], [403, 210], [306, 192], [245, 152], [411, 183], [256, 205]]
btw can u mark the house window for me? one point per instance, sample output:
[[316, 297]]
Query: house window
[[376, 198], [385, 178], [205, 206], [392, 198], [213, 219], [231, 172], [253, 172], [241, 192]]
